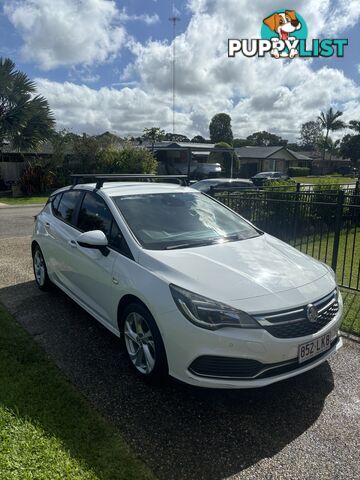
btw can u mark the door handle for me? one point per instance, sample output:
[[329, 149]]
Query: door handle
[[47, 225], [72, 243]]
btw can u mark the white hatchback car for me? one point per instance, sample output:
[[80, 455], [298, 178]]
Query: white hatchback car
[[192, 288]]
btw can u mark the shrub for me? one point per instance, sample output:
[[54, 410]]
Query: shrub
[[287, 185], [127, 160], [298, 171], [36, 178]]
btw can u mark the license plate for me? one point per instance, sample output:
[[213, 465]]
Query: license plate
[[315, 347]]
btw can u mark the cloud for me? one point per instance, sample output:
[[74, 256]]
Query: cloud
[[125, 112], [259, 94], [148, 19], [70, 33]]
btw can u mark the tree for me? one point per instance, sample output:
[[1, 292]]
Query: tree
[[154, 134], [86, 149], [25, 118], [266, 139], [310, 134], [355, 125], [329, 145], [176, 137], [350, 148], [241, 142], [198, 139], [220, 128], [329, 121]]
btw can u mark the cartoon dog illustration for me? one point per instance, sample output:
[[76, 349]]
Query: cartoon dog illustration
[[284, 24]]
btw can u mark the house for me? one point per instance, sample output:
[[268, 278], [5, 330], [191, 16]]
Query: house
[[266, 159], [330, 164]]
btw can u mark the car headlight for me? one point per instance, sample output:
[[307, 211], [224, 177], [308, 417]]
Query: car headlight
[[209, 314], [330, 270]]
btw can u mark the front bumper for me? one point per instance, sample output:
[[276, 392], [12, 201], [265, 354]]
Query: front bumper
[[184, 343]]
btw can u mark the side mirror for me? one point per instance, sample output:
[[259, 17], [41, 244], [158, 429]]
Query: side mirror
[[95, 239]]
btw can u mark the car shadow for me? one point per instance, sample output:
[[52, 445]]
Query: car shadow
[[181, 432]]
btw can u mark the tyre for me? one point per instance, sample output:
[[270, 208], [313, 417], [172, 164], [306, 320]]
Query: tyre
[[143, 344], [40, 271]]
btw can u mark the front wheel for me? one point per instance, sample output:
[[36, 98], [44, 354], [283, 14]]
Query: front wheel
[[40, 270], [143, 344]]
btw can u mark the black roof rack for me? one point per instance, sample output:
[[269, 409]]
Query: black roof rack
[[113, 177]]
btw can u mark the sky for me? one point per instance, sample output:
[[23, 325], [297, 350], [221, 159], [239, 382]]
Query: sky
[[106, 65]]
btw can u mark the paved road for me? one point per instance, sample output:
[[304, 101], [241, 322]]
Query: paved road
[[304, 428], [17, 221]]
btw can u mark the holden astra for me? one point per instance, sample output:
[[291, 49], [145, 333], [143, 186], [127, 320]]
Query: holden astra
[[192, 289]]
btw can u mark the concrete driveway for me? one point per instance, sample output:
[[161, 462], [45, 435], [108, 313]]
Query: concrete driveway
[[305, 428]]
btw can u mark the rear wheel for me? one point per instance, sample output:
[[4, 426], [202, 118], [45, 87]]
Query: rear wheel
[[143, 343], [40, 270]]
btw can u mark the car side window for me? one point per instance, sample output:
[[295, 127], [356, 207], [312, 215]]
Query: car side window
[[94, 215], [67, 204], [117, 240], [55, 202]]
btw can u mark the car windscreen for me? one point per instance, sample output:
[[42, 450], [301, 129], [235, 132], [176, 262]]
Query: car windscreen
[[164, 221]]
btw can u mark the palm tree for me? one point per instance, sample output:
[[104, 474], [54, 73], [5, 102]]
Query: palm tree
[[330, 122], [25, 118]]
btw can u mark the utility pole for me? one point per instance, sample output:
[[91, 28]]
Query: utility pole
[[174, 19]]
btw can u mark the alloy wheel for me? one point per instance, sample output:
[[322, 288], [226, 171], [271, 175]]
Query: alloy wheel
[[39, 268], [139, 343]]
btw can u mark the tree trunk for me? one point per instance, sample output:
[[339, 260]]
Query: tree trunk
[[325, 142]]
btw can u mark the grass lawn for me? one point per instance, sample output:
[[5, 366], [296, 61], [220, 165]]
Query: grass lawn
[[348, 266], [325, 180], [351, 320], [47, 429], [24, 200], [347, 272]]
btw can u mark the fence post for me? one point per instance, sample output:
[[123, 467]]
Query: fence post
[[298, 186], [338, 222]]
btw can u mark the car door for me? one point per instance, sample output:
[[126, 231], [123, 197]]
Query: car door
[[59, 249], [100, 291]]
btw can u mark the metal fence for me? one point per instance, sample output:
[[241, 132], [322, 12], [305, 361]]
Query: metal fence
[[322, 222]]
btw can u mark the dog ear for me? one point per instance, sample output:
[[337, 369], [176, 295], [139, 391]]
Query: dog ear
[[291, 14], [273, 21]]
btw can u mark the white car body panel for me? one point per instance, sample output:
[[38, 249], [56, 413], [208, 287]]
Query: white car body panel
[[258, 275]]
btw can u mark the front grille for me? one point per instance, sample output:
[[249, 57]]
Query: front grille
[[294, 323], [245, 368]]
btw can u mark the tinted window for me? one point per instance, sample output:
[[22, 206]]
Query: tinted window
[[94, 215], [67, 205], [55, 203]]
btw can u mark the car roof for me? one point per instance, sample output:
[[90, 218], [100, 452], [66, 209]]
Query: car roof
[[116, 189]]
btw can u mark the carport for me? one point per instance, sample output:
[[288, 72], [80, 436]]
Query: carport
[[187, 152]]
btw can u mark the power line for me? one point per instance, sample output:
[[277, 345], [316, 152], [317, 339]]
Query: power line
[[174, 19]]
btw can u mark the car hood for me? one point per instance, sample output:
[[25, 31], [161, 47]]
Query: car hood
[[238, 270]]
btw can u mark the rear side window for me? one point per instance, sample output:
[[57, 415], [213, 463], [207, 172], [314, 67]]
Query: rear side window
[[66, 207], [94, 215], [55, 203]]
